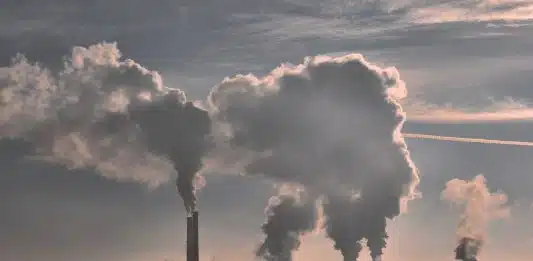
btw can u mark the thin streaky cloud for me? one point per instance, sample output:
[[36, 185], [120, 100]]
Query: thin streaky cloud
[[443, 116], [466, 140], [474, 11], [507, 110]]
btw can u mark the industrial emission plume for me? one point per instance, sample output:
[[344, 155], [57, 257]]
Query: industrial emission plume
[[479, 207], [288, 217], [105, 113], [177, 130], [332, 125]]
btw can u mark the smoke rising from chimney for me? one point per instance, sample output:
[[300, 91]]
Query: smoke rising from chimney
[[178, 131], [479, 207], [106, 113], [289, 216], [333, 126]]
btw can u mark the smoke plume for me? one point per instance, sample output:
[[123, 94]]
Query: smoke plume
[[106, 113], [329, 125], [479, 207], [333, 126], [289, 216]]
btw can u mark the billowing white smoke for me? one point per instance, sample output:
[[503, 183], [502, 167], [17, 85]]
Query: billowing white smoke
[[61, 113], [106, 113], [332, 125], [479, 206]]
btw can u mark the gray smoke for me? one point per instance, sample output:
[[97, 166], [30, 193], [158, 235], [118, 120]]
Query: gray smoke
[[177, 130], [332, 125], [479, 206], [288, 217], [467, 249], [106, 113]]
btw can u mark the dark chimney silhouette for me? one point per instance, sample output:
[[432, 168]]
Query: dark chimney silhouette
[[193, 253], [461, 252]]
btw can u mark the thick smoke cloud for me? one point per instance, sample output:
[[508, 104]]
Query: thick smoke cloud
[[106, 113], [479, 207], [332, 125], [177, 130]]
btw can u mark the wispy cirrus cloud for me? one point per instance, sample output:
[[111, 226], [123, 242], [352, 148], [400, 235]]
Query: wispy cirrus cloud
[[485, 10], [497, 111]]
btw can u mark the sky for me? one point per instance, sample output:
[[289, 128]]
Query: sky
[[467, 66]]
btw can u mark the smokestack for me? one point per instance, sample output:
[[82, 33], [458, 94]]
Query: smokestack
[[190, 238], [195, 249], [193, 253]]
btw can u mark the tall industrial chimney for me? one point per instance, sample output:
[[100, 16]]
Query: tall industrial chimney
[[193, 253], [190, 238], [196, 238]]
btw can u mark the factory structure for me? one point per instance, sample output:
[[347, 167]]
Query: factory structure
[[193, 251]]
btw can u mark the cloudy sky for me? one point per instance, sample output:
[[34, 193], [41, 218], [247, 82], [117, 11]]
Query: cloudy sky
[[467, 64]]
